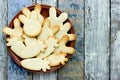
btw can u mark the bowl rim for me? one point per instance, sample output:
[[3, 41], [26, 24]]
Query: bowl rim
[[18, 59]]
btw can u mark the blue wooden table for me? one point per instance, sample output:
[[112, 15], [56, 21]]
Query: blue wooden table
[[97, 26]]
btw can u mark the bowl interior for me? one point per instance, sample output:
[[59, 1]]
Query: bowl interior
[[45, 13]]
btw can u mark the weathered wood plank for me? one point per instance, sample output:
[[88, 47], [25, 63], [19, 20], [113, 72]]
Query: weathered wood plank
[[33, 1], [3, 55], [14, 71], [115, 40], [97, 27], [74, 69], [49, 2], [45, 76], [51, 75]]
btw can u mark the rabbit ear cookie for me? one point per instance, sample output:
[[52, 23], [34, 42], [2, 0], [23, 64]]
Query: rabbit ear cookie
[[32, 21], [38, 9], [17, 31], [31, 26], [26, 12], [54, 20]]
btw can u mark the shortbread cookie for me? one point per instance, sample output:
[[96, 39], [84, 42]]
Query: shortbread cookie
[[46, 31], [40, 18], [33, 49], [16, 31], [62, 46], [23, 51], [31, 27], [63, 31], [29, 40], [36, 64], [51, 43], [54, 20], [26, 12], [16, 45], [37, 8], [57, 58]]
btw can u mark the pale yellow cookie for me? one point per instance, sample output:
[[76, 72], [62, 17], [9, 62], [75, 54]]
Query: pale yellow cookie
[[57, 58], [38, 8], [16, 45], [33, 49], [26, 12], [46, 31], [51, 43], [54, 20], [23, 51], [62, 46], [36, 64], [28, 40], [31, 27], [16, 31], [63, 31]]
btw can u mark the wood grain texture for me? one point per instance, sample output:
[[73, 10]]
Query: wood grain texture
[[74, 69], [14, 71], [115, 40], [3, 54], [33, 1], [97, 27], [49, 2], [51, 75]]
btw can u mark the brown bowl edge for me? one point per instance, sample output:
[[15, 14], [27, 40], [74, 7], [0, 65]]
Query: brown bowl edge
[[18, 59]]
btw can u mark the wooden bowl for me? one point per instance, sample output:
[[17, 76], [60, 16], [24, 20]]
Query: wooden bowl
[[45, 13]]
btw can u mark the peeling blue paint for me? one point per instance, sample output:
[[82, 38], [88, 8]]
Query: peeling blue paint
[[79, 55], [74, 6], [15, 72], [72, 15]]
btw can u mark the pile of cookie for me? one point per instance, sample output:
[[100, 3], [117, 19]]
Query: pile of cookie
[[39, 41]]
